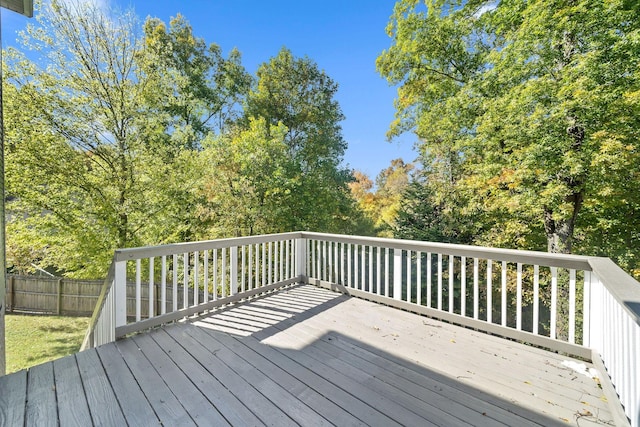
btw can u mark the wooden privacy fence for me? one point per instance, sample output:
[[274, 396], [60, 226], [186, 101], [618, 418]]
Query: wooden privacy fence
[[68, 297]]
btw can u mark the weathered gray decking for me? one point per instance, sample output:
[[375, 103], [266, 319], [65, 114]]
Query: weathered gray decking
[[306, 356]]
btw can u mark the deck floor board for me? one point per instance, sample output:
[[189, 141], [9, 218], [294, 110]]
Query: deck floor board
[[73, 409], [13, 398], [101, 398], [203, 349], [41, 399], [135, 406], [307, 356]]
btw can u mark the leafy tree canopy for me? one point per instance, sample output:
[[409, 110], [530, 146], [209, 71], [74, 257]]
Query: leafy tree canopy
[[527, 118]]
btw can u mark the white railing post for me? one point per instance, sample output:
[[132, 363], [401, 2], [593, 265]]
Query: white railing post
[[397, 274], [120, 284], [233, 280], [596, 315], [301, 260]]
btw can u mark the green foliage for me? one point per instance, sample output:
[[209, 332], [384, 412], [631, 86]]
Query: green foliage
[[294, 92], [381, 205], [527, 116], [421, 217], [249, 182], [94, 169], [192, 87], [143, 136]]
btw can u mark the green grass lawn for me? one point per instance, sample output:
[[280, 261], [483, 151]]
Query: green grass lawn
[[31, 340]]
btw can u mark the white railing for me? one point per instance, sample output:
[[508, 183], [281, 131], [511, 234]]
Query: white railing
[[180, 280], [582, 306]]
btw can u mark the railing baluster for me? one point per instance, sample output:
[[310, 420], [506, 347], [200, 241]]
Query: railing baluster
[[196, 286], [243, 270], [536, 298], [627, 351], [138, 290], [451, 290], [336, 262], [356, 268], [489, 292], [313, 259], [503, 305], [370, 283], [174, 296], [439, 282], [408, 276], [349, 267], [215, 274], [463, 286], [554, 301], [419, 278], [270, 264], [205, 275], [185, 289], [363, 269], [264, 264], [476, 288], [429, 279], [572, 306], [288, 258], [223, 278], [151, 285], [342, 265], [250, 269], [163, 285], [386, 272], [378, 271], [519, 297], [258, 262]]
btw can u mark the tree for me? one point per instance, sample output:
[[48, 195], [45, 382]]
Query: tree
[[296, 93], [381, 205], [518, 107], [104, 162], [247, 183], [192, 87]]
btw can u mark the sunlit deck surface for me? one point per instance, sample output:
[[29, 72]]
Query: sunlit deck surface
[[306, 356]]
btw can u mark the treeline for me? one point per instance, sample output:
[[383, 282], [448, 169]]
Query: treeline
[[122, 135]]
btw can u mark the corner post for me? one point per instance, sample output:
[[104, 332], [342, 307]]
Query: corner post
[[301, 260], [120, 288]]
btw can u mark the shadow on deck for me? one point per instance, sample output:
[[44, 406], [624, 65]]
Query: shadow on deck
[[306, 356]]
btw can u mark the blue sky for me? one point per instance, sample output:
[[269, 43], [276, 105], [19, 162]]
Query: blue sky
[[344, 37]]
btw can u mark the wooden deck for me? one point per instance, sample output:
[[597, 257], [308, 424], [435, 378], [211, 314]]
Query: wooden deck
[[306, 356]]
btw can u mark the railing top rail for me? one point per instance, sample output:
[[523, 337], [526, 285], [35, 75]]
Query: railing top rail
[[178, 248], [569, 261]]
